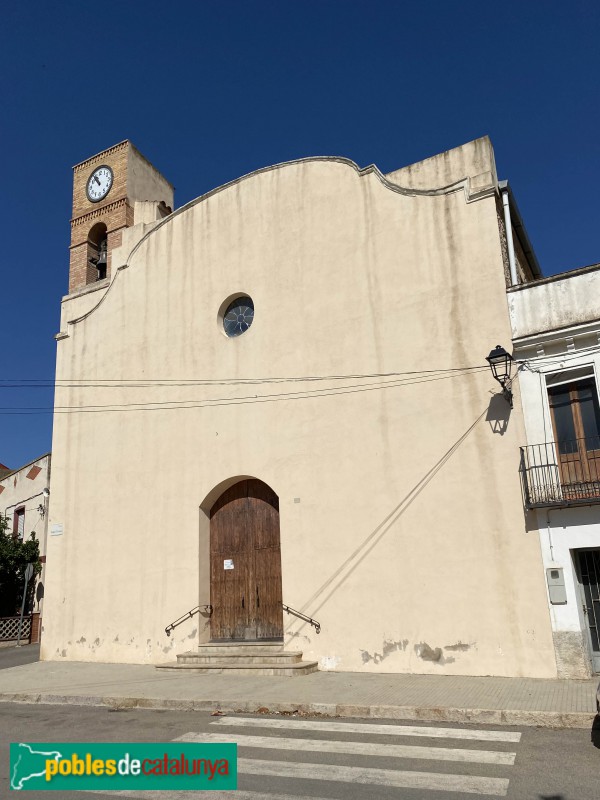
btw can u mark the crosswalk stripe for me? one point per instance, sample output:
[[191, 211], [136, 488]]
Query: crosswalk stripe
[[356, 748], [378, 777], [370, 728]]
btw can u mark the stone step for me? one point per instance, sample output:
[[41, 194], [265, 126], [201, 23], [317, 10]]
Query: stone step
[[250, 648], [291, 670], [252, 657], [243, 658]]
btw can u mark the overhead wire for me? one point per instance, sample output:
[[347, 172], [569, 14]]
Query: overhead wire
[[418, 378], [558, 358], [25, 383]]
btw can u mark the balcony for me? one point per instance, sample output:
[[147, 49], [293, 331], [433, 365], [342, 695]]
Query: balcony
[[564, 473]]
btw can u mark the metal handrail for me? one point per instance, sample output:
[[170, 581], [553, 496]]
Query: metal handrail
[[300, 615], [207, 609]]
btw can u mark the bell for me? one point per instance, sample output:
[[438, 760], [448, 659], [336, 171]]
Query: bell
[[102, 256], [101, 263]]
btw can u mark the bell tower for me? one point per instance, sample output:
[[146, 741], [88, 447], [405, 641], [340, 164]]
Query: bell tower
[[112, 190]]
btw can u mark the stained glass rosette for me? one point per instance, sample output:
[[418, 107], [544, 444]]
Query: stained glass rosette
[[239, 316]]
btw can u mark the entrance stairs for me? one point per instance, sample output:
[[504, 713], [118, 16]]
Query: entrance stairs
[[243, 658]]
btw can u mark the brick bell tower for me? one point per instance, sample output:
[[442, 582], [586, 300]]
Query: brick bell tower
[[112, 190]]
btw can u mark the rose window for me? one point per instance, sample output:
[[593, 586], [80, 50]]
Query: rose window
[[239, 316]]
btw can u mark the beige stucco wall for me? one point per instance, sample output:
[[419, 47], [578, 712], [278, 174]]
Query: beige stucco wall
[[474, 160], [144, 181], [402, 529]]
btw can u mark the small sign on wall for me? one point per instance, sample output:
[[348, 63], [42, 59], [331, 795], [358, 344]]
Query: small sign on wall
[[228, 563], [56, 529]]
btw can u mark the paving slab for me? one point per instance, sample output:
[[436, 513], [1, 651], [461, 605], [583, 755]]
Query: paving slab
[[442, 698]]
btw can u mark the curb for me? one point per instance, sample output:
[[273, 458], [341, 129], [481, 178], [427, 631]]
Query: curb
[[480, 716]]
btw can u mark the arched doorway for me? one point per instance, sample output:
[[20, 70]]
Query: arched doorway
[[245, 564]]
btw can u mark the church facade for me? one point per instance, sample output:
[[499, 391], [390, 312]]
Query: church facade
[[273, 404]]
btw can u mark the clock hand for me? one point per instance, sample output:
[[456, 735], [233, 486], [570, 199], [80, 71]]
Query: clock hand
[[96, 179]]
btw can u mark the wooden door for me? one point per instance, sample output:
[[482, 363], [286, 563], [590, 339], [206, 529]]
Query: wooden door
[[576, 421], [246, 564], [229, 548]]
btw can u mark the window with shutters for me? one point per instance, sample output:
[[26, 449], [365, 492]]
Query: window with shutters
[[19, 522]]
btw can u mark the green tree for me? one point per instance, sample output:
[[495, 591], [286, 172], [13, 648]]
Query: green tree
[[15, 554]]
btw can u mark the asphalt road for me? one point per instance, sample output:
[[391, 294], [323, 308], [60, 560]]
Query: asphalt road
[[296, 758], [15, 656]]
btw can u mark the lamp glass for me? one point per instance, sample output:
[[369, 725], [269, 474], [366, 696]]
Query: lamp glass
[[500, 362]]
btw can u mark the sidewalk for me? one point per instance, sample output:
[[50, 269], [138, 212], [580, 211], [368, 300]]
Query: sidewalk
[[431, 698]]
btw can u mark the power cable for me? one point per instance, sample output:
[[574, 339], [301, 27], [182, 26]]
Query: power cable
[[221, 401], [35, 383]]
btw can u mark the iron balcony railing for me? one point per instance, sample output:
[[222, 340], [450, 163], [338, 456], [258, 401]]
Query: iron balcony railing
[[561, 473]]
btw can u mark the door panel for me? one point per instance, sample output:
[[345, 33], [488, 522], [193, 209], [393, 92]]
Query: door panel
[[576, 421], [589, 570], [590, 425], [244, 530], [229, 587], [264, 513], [228, 516]]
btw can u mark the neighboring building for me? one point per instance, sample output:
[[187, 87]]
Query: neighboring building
[[556, 330], [24, 501], [276, 394]]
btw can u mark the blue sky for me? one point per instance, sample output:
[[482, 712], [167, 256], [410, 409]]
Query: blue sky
[[211, 90]]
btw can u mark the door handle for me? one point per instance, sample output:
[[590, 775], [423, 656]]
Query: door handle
[[242, 601], [257, 597]]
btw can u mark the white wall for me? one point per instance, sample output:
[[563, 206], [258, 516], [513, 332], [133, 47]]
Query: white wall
[[543, 349], [21, 488], [555, 303]]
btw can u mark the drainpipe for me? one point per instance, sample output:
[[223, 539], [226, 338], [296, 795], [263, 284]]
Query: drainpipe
[[549, 534], [509, 239]]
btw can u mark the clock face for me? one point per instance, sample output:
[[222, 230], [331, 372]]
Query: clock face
[[99, 183]]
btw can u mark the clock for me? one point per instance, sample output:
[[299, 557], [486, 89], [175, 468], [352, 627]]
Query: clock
[[99, 183]]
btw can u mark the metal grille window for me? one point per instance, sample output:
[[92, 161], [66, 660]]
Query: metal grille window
[[589, 568]]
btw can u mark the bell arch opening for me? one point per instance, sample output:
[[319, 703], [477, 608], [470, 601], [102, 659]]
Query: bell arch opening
[[97, 253]]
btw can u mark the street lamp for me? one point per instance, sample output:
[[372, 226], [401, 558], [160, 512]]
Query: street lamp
[[501, 365]]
